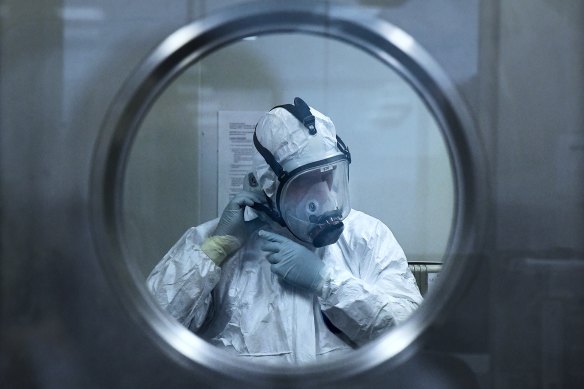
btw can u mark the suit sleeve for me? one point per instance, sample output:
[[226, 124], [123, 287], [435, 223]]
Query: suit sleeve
[[183, 281], [373, 290]]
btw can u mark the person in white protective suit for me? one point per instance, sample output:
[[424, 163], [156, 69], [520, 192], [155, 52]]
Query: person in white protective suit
[[289, 272]]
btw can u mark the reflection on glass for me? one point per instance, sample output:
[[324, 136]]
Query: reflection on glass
[[270, 298]]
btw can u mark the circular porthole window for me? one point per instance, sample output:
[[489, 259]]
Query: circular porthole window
[[157, 167]]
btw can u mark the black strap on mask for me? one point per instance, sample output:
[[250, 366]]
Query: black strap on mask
[[301, 111], [270, 211]]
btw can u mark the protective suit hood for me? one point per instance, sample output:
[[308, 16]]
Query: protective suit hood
[[303, 167]]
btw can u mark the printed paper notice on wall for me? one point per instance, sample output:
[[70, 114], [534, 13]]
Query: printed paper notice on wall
[[235, 144]]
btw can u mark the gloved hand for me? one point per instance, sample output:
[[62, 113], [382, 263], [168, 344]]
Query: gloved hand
[[232, 222], [292, 262]]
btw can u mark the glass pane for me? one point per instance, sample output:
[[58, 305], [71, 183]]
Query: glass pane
[[176, 176]]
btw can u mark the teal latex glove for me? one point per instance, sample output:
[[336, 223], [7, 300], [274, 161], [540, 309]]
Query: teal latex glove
[[292, 262], [232, 222]]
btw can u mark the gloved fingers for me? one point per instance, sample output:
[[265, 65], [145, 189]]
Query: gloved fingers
[[272, 237], [281, 271], [271, 247], [273, 258], [245, 198], [274, 268], [253, 225], [258, 197], [272, 242]]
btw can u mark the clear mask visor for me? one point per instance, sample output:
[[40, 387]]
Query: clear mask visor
[[316, 200]]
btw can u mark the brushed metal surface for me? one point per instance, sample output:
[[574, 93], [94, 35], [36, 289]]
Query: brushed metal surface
[[72, 318], [382, 40]]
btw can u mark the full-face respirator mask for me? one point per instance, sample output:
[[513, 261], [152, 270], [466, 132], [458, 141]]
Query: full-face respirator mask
[[311, 200]]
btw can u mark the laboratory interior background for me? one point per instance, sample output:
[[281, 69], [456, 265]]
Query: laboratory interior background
[[518, 69]]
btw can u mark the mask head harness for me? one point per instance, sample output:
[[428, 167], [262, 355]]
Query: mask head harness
[[328, 228]]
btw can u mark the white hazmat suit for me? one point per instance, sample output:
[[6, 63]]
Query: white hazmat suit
[[243, 307]]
